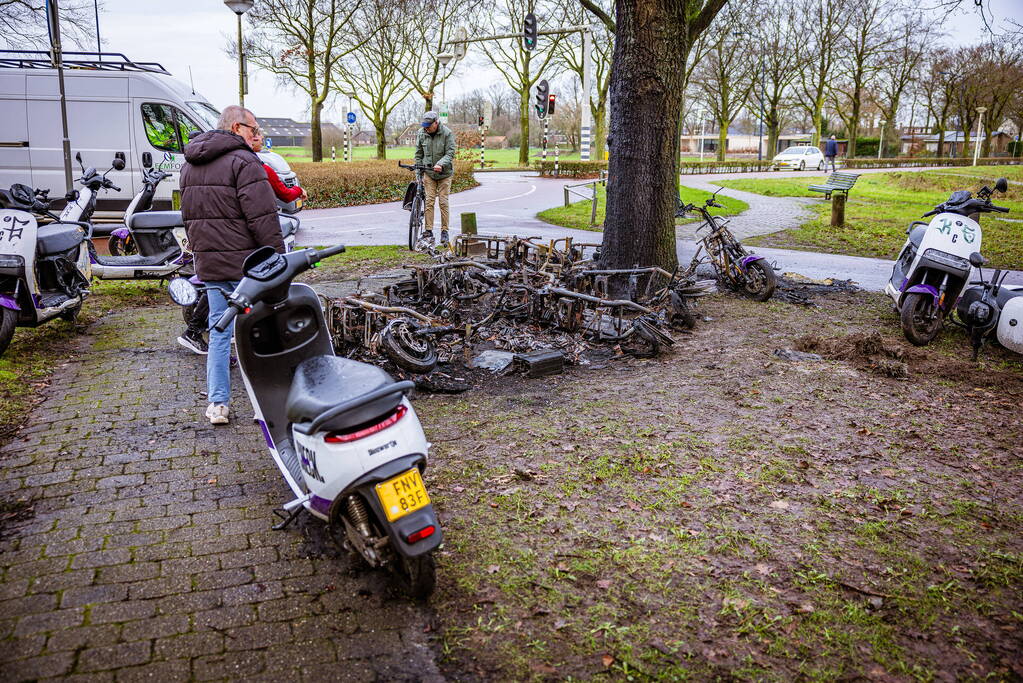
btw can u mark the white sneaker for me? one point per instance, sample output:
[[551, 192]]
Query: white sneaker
[[217, 414]]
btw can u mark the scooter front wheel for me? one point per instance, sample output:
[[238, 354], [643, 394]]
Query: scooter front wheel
[[416, 576], [759, 282], [121, 246], [8, 320], [921, 323]]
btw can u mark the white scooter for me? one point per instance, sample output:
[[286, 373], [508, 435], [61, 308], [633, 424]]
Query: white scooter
[[992, 310], [342, 433], [159, 235], [44, 270], [934, 267]]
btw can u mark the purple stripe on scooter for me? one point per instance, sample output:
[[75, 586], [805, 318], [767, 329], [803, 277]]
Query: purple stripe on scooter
[[266, 434], [924, 289], [8, 301], [321, 505], [121, 233], [749, 259]]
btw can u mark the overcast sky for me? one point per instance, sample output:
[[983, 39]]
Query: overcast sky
[[192, 33]]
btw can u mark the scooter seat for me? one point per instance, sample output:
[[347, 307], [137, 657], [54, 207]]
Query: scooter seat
[[156, 219], [323, 382], [136, 260], [56, 238]]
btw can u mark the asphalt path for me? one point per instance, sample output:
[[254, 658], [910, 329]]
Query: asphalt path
[[506, 203]]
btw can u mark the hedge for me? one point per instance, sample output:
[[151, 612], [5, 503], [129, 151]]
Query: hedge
[[570, 169], [903, 162], [333, 184]]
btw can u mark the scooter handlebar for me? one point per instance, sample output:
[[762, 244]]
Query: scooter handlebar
[[329, 251], [227, 317], [999, 209]]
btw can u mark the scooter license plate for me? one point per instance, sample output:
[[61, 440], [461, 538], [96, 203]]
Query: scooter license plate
[[403, 494]]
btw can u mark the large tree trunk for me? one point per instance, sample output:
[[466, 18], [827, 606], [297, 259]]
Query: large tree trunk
[[941, 141], [524, 127], [646, 95], [315, 133], [723, 125], [380, 125]]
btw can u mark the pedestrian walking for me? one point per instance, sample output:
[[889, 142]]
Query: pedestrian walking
[[830, 152], [229, 211], [435, 146]]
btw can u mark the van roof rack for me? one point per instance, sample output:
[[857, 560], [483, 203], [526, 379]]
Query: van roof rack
[[93, 61]]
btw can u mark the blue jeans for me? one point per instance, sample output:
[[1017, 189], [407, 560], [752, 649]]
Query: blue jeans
[[218, 359]]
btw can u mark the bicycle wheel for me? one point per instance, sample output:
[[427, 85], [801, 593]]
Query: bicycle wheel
[[415, 223]]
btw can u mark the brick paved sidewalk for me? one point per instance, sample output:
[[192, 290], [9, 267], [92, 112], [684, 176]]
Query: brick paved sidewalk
[[147, 551]]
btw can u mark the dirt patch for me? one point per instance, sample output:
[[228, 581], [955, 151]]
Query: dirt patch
[[718, 512]]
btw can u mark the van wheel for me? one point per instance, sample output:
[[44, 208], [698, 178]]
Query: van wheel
[[8, 320]]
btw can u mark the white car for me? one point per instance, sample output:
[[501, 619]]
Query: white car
[[799, 158]]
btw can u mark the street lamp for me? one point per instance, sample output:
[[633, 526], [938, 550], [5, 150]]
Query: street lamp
[[444, 58], [240, 7], [976, 147], [880, 142], [703, 123]]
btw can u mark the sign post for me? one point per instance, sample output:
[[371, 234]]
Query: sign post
[[344, 146], [350, 141]]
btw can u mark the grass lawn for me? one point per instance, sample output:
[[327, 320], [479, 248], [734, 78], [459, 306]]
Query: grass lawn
[[882, 205], [577, 214]]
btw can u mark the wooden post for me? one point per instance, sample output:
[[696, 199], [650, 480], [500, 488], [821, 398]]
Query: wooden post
[[838, 210]]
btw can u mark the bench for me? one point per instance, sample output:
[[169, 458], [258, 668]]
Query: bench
[[836, 182]]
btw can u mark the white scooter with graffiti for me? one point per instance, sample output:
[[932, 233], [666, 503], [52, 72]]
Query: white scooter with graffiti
[[933, 267]]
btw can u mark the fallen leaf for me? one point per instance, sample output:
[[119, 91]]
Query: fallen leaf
[[560, 624], [604, 583], [779, 504], [457, 489], [806, 608], [607, 660], [493, 569], [763, 568], [633, 506]]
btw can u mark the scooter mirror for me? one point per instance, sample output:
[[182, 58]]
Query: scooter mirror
[[976, 260], [182, 292], [1001, 185], [118, 164]]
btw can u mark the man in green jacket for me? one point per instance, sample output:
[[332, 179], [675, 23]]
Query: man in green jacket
[[435, 147]]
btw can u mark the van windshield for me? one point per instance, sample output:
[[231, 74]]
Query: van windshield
[[207, 114]]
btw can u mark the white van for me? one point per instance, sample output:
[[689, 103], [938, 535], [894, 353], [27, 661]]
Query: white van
[[113, 105]]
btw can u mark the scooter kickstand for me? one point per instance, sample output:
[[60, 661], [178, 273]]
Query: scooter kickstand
[[287, 517]]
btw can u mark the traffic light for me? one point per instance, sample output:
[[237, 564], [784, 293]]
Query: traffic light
[[529, 31], [550, 104], [542, 90], [481, 121]]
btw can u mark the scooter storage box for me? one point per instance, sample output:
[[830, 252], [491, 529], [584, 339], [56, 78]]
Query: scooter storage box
[[57, 238]]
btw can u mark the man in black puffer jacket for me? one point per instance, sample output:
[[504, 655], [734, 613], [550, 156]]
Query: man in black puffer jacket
[[229, 211]]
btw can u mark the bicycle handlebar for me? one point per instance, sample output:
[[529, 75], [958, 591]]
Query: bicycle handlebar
[[415, 167]]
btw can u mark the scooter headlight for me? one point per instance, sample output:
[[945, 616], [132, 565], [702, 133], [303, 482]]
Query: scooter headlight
[[979, 313], [11, 261], [947, 259]]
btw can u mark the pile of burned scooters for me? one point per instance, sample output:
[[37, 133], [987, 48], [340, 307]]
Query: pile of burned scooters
[[519, 296]]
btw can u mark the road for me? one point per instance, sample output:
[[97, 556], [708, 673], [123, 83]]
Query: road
[[506, 203]]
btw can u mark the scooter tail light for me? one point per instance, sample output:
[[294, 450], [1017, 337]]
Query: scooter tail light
[[417, 536], [334, 437]]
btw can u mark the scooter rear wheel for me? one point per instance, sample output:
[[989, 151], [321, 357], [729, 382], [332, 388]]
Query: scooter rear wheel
[[759, 282], [8, 320], [121, 247], [918, 326], [416, 576]]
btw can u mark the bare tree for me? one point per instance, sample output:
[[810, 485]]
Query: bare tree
[[520, 67], [570, 56], [1000, 66], [938, 87], [778, 36], [912, 36], [425, 30], [863, 41], [821, 32], [652, 38], [23, 24], [371, 72], [302, 42], [724, 74]]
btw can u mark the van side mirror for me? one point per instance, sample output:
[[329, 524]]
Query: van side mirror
[[147, 160], [1001, 185], [976, 260]]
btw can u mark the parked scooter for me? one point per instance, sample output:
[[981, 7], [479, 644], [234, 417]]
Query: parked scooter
[[121, 241], [44, 270], [162, 245], [342, 433], [992, 310], [933, 267]]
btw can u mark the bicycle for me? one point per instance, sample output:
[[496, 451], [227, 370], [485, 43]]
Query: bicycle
[[415, 201], [734, 266]]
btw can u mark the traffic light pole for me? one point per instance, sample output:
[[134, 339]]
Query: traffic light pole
[[543, 156]]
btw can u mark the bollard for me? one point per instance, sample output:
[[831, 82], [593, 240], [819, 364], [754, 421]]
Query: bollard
[[468, 223], [333, 153], [556, 148], [838, 210], [483, 149]]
